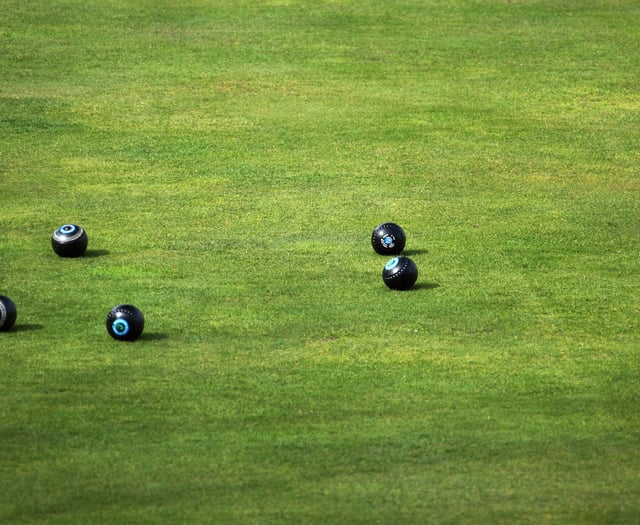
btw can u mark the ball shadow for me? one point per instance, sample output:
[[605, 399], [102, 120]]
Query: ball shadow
[[26, 327], [96, 253], [426, 286], [414, 252], [154, 336]]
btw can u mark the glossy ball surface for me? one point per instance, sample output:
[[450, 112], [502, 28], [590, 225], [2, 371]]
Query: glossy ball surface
[[8, 313], [69, 240], [400, 273], [388, 239], [125, 322]]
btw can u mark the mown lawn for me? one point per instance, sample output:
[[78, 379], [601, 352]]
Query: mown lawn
[[229, 160]]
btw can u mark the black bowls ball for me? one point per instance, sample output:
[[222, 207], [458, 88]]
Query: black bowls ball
[[125, 322], [388, 239], [69, 240], [8, 313], [400, 273]]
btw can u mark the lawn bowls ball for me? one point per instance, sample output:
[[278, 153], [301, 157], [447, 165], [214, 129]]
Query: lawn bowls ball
[[400, 273], [388, 239], [8, 313], [69, 240], [125, 322]]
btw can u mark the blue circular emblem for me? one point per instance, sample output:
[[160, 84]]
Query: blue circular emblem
[[120, 326], [392, 262], [388, 241], [68, 229]]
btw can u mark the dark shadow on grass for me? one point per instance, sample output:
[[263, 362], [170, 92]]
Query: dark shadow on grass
[[26, 327], [96, 253], [154, 336], [426, 286], [414, 252]]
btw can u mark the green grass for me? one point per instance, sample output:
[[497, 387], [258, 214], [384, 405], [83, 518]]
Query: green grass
[[229, 161]]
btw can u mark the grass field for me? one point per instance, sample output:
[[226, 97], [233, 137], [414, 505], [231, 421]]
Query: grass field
[[229, 160]]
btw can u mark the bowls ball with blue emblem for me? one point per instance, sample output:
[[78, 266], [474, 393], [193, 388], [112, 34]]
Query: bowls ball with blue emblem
[[400, 273], [8, 313], [125, 322], [69, 240], [388, 239]]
